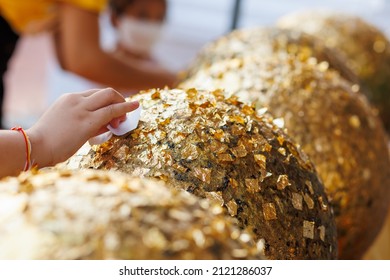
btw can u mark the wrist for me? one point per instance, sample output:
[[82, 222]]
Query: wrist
[[40, 154], [17, 152], [27, 147]]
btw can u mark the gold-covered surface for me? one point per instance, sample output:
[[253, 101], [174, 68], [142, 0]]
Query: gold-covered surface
[[380, 249], [222, 150], [63, 214], [265, 41], [364, 47], [334, 125]]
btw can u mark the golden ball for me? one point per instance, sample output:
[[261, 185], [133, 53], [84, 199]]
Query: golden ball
[[380, 249], [265, 41], [224, 151], [63, 214], [364, 47], [334, 125]]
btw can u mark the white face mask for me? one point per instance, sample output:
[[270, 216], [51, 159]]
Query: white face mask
[[138, 36]]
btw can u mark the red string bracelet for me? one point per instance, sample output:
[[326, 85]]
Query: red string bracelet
[[27, 142]]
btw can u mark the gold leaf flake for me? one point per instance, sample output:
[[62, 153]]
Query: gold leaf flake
[[261, 160], [279, 122], [216, 197], [217, 147], [239, 151], [245, 237], [309, 201], [309, 186], [203, 174], [297, 200], [156, 95], [248, 110], [183, 216], [282, 151], [234, 100], [238, 130], [354, 121], [308, 229], [206, 104], [180, 245], [252, 185], [233, 183], [366, 174], [266, 147], [190, 152], [269, 212], [240, 253], [355, 88], [225, 158], [165, 122], [282, 182], [191, 93], [323, 205], [279, 203], [232, 207], [321, 229], [219, 134], [323, 66], [261, 111], [177, 137], [168, 159], [218, 93], [153, 238], [160, 135], [237, 119], [199, 238], [179, 167]]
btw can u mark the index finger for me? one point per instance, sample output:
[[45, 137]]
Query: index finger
[[103, 98], [107, 114]]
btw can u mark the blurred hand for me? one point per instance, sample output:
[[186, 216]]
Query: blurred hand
[[72, 120]]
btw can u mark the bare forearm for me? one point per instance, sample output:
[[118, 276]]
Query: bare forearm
[[103, 68], [12, 153]]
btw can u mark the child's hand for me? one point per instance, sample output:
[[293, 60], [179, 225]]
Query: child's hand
[[72, 120]]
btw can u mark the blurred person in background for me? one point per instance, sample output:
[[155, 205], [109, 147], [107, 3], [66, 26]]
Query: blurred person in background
[[75, 28], [131, 30], [138, 25]]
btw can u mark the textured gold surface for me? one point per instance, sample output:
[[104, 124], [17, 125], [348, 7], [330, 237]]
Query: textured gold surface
[[222, 150], [333, 124], [380, 249], [265, 42], [100, 215], [364, 47]]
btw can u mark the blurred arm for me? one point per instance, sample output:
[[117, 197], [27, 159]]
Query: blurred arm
[[78, 49]]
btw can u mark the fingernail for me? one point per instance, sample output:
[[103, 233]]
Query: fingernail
[[134, 103]]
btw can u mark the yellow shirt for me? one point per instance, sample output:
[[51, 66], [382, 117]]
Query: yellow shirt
[[31, 16]]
